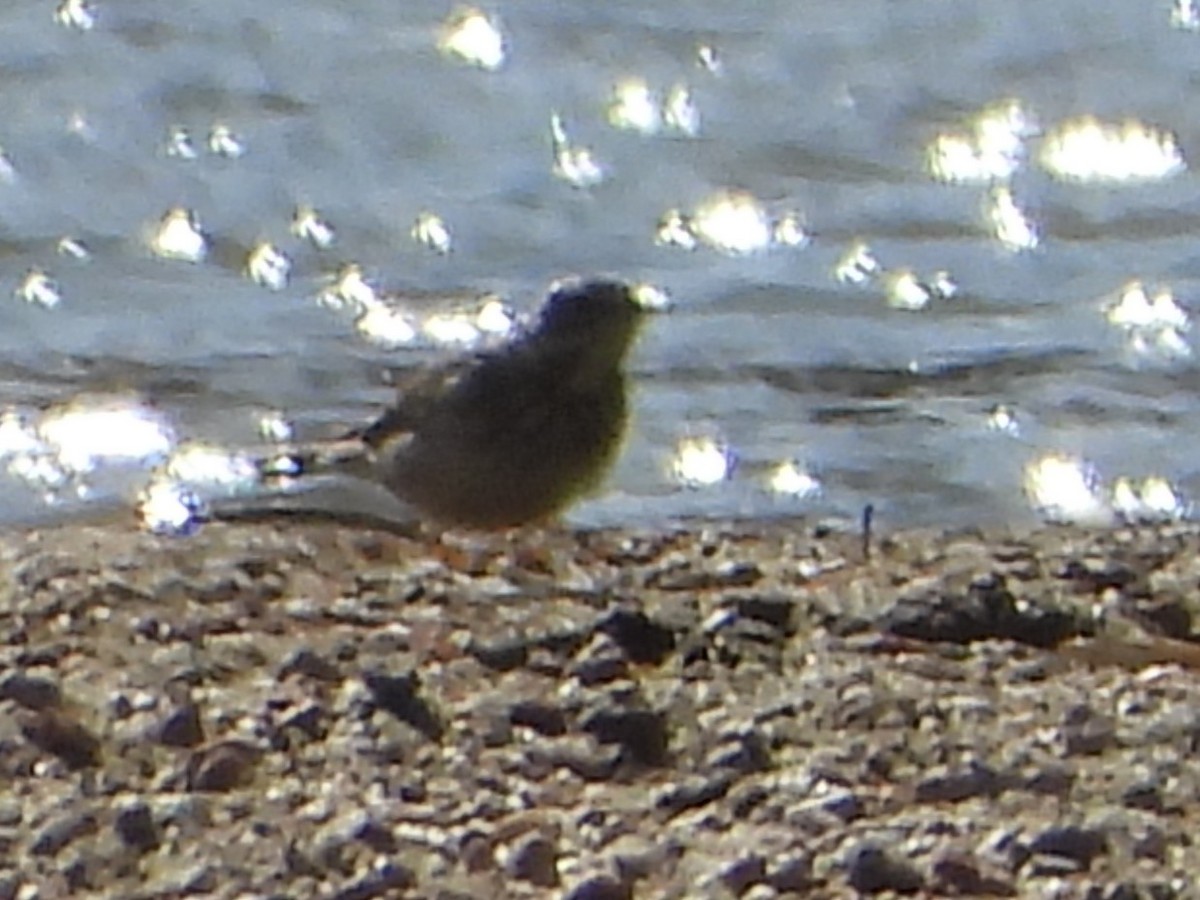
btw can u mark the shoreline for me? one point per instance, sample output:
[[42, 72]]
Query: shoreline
[[742, 709]]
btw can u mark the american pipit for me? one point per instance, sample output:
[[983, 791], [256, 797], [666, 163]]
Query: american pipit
[[513, 435]]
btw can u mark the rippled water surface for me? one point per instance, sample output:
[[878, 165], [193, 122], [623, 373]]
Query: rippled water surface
[[825, 110]]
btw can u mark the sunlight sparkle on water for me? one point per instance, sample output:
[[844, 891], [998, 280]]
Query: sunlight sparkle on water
[[680, 113], [77, 14], [93, 430], [634, 107], [702, 461], [205, 465], [1153, 500], [992, 149], [429, 230], [573, 164], [39, 289], [268, 266], [1087, 149], [349, 290], [1154, 328], [168, 508], [792, 479], [1066, 489], [179, 144], [1185, 16], [472, 37], [733, 222], [857, 265], [74, 249], [308, 225], [178, 236], [223, 142], [1011, 226], [1003, 418], [387, 327], [905, 291]]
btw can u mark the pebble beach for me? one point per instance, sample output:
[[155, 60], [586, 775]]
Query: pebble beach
[[303, 709]]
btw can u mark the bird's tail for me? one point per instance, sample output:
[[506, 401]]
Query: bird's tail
[[342, 456]]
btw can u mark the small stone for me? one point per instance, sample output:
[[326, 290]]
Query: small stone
[[31, 692], [694, 792], [398, 695], [871, 870], [222, 767], [135, 826], [742, 874], [954, 787], [600, 887], [502, 655], [1143, 795], [182, 727], [643, 640], [643, 734], [1087, 732], [543, 718], [792, 874], [1072, 842], [309, 663], [59, 735], [535, 859]]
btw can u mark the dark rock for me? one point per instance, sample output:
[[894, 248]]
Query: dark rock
[[778, 612], [637, 857], [1072, 842], [987, 610], [309, 663], [578, 755], [534, 859], [377, 836], [309, 720], [543, 718], [746, 753], [60, 735], [1143, 795], [872, 870], [600, 663], [742, 874], [1087, 732], [962, 876], [182, 727], [31, 692], [953, 787], [694, 792], [643, 640], [501, 656], [135, 826], [642, 733], [385, 882], [1052, 779], [600, 887], [792, 874], [222, 767], [398, 695], [475, 851]]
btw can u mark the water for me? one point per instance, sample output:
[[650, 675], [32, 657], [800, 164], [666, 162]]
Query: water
[[822, 108]]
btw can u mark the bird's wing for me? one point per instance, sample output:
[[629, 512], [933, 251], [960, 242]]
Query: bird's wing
[[418, 393]]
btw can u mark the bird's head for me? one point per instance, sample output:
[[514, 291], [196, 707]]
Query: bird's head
[[590, 322]]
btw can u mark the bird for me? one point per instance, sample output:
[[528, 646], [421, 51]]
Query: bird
[[512, 435]]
